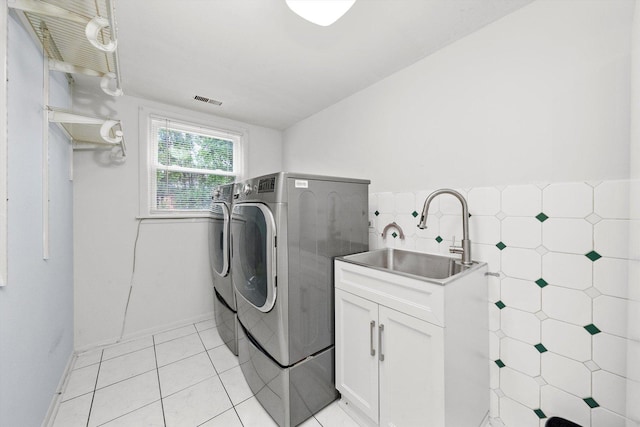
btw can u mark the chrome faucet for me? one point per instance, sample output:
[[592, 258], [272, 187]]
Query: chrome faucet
[[390, 225], [465, 249]]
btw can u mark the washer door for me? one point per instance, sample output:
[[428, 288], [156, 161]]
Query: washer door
[[219, 239], [253, 254]]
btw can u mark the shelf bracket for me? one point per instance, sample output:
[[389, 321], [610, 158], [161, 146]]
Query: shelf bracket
[[109, 132], [105, 78]]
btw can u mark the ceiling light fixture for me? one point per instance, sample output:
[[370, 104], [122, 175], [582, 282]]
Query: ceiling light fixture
[[320, 12]]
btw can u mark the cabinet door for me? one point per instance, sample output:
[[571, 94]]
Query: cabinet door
[[356, 351], [411, 371]]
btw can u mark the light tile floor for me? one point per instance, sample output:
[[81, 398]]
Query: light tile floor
[[180, 377]]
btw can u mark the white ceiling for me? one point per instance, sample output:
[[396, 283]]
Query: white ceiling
[[272, 68]]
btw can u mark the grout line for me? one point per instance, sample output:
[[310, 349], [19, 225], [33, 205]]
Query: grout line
[[233, 406], [236, 411], [126, 353], [127, 413], [95, 387], [155, 356], [189, 386]]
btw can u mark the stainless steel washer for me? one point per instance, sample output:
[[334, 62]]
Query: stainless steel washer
[[285, 231], [224, 303]]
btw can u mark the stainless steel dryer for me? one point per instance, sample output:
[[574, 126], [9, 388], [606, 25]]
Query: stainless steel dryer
[[285, 231], [224, 302]]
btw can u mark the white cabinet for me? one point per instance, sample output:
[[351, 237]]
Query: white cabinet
[[411, 373], [376, 350], [356, 351], [428, 368]]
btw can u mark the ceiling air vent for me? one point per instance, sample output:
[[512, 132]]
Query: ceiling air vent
[[207, 100]]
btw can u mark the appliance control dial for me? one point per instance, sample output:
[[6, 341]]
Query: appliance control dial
[[216, 193], [246, 189]]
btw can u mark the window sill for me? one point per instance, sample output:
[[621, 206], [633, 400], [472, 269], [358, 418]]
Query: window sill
[[198, 215]]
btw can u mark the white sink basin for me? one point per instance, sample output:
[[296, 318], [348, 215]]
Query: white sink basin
[[417, 265], [414, 283]]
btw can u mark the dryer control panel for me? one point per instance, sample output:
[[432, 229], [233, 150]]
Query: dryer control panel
[[256, 189], [267, 185]]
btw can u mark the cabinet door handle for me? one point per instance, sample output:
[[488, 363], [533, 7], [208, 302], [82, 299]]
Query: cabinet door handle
[[373, 325], [380, 353]]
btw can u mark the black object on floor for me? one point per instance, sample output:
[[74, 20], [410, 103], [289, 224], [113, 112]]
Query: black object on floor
[[560, 422]]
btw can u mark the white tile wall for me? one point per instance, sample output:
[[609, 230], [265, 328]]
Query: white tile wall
[[520, 387], [520, 356], [568, 305], [521, 294], [568, 270], [556, 402], [559, 314], [610, 353], [611, 199], [566, 339], [521, 263], [566, 374], [570, 235], [522, 200], [555, 197], [521, 232]]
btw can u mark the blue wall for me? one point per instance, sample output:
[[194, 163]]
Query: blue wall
[[36, 307]]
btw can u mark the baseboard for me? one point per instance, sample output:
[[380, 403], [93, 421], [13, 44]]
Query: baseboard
[[55, 400], [358, 416], [495, 422], [168, 326], [144, 333]]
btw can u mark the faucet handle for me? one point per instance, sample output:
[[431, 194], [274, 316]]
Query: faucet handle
[[455, 249]]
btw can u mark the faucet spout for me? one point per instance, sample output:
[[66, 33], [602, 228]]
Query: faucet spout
[[465, 249]]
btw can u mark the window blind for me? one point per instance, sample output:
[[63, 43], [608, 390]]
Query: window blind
[[187, 162]]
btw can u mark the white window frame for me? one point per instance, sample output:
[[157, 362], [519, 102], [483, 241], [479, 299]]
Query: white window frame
[[148, 157]]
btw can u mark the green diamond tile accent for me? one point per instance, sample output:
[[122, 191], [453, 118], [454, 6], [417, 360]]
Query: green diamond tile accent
[[541, 282], [542, 217], [593, 256], [540, 348], [376, 213], [591, 402], [500, 363], [539, 413], [500, 305], [438, 239], [501, 245], [394, 234], [592, 329], [415, 214]]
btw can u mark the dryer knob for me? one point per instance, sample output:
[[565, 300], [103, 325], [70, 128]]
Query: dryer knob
[[246, 189], [216, 193]]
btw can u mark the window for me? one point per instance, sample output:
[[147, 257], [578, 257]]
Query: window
[[186, 162]]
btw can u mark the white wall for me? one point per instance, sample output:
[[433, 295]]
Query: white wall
[[36, 306], [172, 280], [540, 95]]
